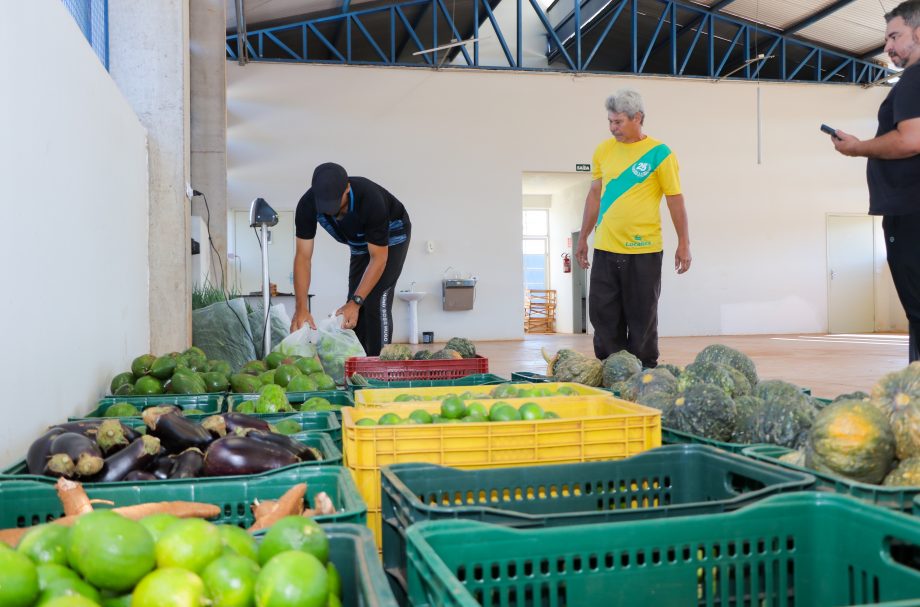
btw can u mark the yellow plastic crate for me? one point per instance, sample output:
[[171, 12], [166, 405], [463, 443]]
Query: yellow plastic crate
[[386, 396], [589, 429]]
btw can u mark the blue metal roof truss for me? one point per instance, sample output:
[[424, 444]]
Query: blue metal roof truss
[[662, 37]]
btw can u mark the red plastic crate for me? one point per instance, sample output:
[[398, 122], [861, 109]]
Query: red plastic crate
[[372, 367]]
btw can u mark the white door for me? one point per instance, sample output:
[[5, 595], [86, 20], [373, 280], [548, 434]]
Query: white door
[[280, 254], [850, 276]]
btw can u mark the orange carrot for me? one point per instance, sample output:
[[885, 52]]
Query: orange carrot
[[291, 503]]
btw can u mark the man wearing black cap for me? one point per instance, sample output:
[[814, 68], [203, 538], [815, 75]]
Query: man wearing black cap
[[375, 225]]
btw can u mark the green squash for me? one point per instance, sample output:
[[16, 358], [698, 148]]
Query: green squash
[[906, 474], [718, 353], [898, 395], [853, 439], [395, 352], [648, 381], [462, 345], [703, 410], [618, 367], [719, 375], [446, 354]]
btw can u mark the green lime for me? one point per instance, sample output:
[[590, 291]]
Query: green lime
[[436, 418], [189, 544], [503, 391], [18, 579], [477, 408], [230, 580], [566, 391], [421, 416], [293, 579], [550, 415], [49, 573], [72, 600], [123, 600], [473, 419], [389, 419], [542, 392], [504, 414], [531, 411], [453, 407], [121, 410], [294, 533], [366, 421], [156, 524], [170, 587], [67, 587], [496, 406], [335, 580], [334, 601], [110, 551], [46, 544], [238, 541], [526, 393]]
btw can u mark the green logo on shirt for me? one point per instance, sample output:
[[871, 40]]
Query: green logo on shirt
[[637, 242]]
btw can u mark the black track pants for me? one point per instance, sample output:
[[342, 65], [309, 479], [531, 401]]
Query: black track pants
[[902, 242], [375, 319], [623, 304]]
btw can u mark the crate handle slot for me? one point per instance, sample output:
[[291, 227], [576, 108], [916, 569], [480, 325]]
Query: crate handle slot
[[903, 552], [740, 483]]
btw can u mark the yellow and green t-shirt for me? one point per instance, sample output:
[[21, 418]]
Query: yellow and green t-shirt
[[634, 177]]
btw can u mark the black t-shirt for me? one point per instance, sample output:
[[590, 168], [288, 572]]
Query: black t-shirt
[[374, 216], [894, 185]]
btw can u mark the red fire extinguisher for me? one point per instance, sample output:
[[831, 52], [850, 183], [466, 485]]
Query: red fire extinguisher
[[566, 263]]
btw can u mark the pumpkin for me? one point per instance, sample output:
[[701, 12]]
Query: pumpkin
[[422, 355], [730, 381], [898, 395], [906, 474], [851, 438], [703, 410], [464, 346], [446, 354], [718, 353], [395, 352], [777, 422], [650, 380], [620, 366], [569, 365]]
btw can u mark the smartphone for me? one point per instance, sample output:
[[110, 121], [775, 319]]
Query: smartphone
[[830, 131]]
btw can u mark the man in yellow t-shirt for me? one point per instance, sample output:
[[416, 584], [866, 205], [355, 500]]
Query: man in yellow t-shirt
[[631, 173]]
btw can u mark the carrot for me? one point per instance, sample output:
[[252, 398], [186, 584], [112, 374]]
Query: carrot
[[262, 508], [323, 503], [73, 497], [291, 503]]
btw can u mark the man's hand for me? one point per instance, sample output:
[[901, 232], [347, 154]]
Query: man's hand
[[846, 144], [682, 258], [581, 254], [349, 314], [302, 317]]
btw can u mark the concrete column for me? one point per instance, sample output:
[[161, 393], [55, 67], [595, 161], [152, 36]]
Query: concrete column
[[207, 33], [149, 61]]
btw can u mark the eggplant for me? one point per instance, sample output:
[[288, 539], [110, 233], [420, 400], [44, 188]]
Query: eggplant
[[232, 455], [83, 452], [216, 425], [235, 421], [188, 464], [139, 475], [60, 464], [90, 429], [162, 465], [303, 452], [136, 456], [112, 436], [40, 451], [175, 431]]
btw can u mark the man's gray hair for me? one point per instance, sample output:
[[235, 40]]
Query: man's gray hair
[[627, 101], [909, 11]]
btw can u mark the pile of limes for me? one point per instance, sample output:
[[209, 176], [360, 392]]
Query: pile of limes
[[455, 409], [107, 560], [500, 391]]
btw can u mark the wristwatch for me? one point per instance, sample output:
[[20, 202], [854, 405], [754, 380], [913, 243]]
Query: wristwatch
[[357, 299]]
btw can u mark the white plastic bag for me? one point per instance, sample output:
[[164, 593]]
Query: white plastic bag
[[299, 343], [335, 345]]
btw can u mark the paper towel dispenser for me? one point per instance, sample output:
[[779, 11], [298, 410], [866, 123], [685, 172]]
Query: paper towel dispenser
[[458, 293]]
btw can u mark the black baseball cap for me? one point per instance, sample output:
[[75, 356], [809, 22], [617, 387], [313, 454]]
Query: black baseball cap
[[329, 183]]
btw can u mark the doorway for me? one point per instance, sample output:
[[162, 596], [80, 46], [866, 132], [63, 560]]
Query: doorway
[[850, 274], [579, 291]]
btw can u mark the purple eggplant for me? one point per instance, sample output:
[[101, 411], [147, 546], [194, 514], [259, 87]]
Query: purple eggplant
[[216, 425], [162, 466], [188, 464], [40, 451], [112, 436], [90, 429], [139, 475], [136, 456], [240, 421], [82, 451], [175, 431], [303, 452], [232, 455]]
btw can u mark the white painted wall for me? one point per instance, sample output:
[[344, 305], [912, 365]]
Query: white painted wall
[[453, 145], [564, 218], [73, 164]]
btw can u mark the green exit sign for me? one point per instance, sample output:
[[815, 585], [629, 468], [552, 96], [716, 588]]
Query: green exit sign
[[583, 168]]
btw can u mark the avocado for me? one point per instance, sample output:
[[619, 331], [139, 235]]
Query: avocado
[[197, 352], [121, 409], [274, 359], [216, 382], [254, 367], [220, 366], [147, 385], [163, 367], [126, 378], [243, 383], [284, 374], [183, 383], [140, 366]]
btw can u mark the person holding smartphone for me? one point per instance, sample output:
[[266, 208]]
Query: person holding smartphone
[[893, 167]]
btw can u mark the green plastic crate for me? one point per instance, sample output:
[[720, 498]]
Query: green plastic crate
[[209, 403], [802, 549], [354, 554], [332, 456], [676, 437], [31, 502], [340, 398], [528, 376], [477, 379], [669, 481], [895, 498]]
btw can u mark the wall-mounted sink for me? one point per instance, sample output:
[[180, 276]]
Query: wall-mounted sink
[[410, 295]]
